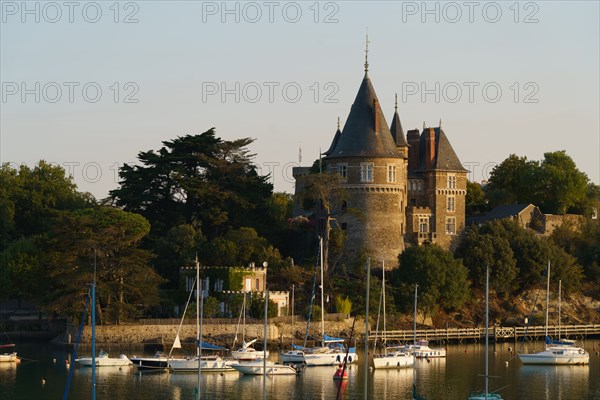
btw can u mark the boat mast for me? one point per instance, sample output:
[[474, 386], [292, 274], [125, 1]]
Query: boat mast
[[547, 299], [244, 321], [265, 343], [415, 320], [198, 324], [487, 293], [384, 326], [93, 294], [322, 293], [559, 299], [366, 366], [293, 314]]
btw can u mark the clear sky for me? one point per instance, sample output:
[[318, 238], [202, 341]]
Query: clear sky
[[87, 85]]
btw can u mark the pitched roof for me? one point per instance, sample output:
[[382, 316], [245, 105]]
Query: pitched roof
[[504, 211], [397, 131], [445, 157], [359, 137], [336, 138]]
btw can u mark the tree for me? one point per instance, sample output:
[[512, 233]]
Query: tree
[[554, 184], [442, 279], [200, 180], [324, 194], [343, 305], [480, 250], [562, 184], [476, 201], [515, 180], [105, 239]]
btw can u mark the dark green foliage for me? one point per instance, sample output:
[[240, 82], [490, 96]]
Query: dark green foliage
[[517, 257], [257, 307], [199, 180], [476, 201], [126, 285], [442, 279], [554, 184]]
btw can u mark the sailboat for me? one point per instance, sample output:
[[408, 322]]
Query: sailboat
[[556, 352], [332, 350], [8, 356], [392, 357], [420, 348], [486, 395], [246, 352], [103, 359], [262, 366], [160, 360], [199, 363]]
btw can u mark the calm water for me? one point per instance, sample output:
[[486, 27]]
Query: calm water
[[452, 378]]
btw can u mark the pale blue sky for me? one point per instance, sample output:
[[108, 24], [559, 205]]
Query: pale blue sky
[[179, 50]]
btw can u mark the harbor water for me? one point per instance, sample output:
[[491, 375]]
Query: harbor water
[[38, 376]]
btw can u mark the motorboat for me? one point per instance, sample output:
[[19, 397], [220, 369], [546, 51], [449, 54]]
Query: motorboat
[[103, 360]]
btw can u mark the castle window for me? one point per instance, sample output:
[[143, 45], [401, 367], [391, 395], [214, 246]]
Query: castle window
[[342, 170], [419, 185], [344, 206], [257, 284], [344, 226], [366, 172], [423, 224], [391, 174], [413, 202], [450, 226], [451, 182], [450, 204]]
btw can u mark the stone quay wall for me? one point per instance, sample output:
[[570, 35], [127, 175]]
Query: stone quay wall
[[216, 333]]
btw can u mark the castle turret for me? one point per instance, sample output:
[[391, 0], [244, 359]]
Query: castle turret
[[374, 162]]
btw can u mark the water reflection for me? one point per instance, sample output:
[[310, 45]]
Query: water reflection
[[556, 382]]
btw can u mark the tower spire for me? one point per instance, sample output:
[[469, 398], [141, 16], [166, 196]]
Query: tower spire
[[367, 52]]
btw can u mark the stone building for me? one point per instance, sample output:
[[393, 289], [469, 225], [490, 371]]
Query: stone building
[[404, 191]]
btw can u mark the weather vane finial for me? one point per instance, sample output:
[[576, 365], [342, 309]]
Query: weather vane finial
[[440, 123], [338, 123], [367, 52], [396, 103]]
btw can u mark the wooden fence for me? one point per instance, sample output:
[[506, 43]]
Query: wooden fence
[[498, 332]]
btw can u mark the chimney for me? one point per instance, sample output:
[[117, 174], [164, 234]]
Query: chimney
[[376, 115], [412, 137], [429, 147]]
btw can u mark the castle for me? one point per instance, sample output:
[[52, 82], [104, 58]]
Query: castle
[[407, 190]]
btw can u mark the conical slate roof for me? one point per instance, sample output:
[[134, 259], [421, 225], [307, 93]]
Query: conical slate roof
[[445, 157], [359, 137], [336, 138], [397, 131]]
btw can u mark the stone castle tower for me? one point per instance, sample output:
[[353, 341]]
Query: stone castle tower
[[402, 192]]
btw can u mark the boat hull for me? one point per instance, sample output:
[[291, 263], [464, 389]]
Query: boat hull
[[212, 365], [149, 363], [122, 361], [256, 368], [393, 361], [483, 396], [9, 357], [334, 358], [556, 359], [292, 356], [248, 355]]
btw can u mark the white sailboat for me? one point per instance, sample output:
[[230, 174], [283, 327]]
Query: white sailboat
[[420, 348], [264, 367], [331, 351], [199, 363], [246, 352], [103, 360], [486, 395], [556, 352], [392, 357]]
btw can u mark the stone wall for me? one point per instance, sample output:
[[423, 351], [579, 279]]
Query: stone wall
[[221, 334]]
